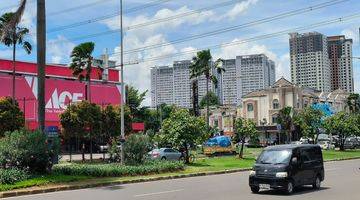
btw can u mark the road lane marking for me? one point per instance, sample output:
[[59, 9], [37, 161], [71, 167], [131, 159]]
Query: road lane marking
[[158, 193]]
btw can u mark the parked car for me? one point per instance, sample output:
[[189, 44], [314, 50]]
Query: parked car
[[326, 145], [285, 167], [165, 154], [352, 143], [105, 147]]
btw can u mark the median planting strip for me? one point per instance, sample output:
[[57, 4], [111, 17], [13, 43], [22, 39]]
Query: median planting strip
[[109, 181]]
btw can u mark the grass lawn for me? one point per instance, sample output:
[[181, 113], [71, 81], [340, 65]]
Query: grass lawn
[[203, 164]]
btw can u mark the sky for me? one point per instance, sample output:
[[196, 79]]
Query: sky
[[144, 26]]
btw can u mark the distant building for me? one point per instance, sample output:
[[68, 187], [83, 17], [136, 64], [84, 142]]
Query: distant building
[[263, 106], [172, 85], [341, 63], [228, 83], [254, 72], [309, 61]]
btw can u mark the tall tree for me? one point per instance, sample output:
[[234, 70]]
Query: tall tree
[[81, 64], [286, 121], [344, 125], [182, 130], [244, 128], [41, 59], [8, 110], [211, 99], [309, 120], [353, 103], [12, 35], [134, 99], [202, 65]]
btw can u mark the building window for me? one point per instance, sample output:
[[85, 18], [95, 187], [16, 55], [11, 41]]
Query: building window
[[250, 107], [276, 104], [274, 119]]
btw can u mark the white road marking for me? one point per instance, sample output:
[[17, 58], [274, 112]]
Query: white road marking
[[157, 193]]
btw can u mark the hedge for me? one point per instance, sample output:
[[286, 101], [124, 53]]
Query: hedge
[[11, 176], [116, 170]]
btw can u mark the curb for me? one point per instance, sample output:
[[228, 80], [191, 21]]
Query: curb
[[93, 185]]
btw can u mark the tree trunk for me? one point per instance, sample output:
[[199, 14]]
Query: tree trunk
[[207, 104], [241, 153], [41, 59], [187, 157], [13, 70], [83, 151]]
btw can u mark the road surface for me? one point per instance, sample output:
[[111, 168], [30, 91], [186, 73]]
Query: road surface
[[342, 182]]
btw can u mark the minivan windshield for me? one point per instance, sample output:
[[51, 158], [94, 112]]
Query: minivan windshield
[[274, 157]]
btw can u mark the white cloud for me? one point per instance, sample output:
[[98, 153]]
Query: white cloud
[[352, 34], [59, 49], [239, 9]]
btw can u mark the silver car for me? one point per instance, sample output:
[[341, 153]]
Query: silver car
[[165, 154]]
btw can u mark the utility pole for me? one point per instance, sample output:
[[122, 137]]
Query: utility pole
[[122, 83], [41, 56]]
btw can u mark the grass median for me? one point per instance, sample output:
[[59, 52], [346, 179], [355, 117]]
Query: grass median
[[201, 165]]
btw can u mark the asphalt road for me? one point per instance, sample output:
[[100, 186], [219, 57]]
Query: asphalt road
[[342, 182]]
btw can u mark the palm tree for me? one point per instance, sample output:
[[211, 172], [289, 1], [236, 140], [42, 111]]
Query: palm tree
[[353, 102], [81, 65], [285, 120], [201, 65], [12, 35], [41, 59]]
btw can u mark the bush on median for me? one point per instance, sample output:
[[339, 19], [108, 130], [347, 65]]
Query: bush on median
[[11, 176], [108, 170]]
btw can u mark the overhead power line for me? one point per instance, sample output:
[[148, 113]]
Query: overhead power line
[[14, 5], [76, 8], [217, 31], [108, 16], [256, 38]]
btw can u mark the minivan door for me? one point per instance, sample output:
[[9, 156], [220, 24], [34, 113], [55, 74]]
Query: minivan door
[[306, 166]]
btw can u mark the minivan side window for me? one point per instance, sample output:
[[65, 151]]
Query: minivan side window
[[310, 154]]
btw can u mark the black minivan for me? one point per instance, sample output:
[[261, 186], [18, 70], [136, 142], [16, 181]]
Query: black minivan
[[285, 167]]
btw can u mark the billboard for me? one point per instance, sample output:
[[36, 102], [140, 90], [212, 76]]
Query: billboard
[[59, 93]]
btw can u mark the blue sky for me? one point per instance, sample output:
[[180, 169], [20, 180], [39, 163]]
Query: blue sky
[[60, 43]]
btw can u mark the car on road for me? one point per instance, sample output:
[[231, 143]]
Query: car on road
[[165, 154], [352, 143], [285, 167], [326, 145]]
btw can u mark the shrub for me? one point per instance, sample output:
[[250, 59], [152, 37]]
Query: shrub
[[11, 117], [108, 170], [11, 176], [136, 148], [27, 150]]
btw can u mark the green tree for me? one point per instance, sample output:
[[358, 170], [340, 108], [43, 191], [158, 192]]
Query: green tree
[[202, 65], [12, 35], [344, 125], [81, 64], [244, 128], [285, 119], [111, 121], [182, 130], [134, 98], [136, 148], [353, 103], [84, 120], [210, 98], [11, 117], [309, 120]]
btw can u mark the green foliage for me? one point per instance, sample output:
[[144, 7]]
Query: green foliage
[[285, 119], [136, 148], [81, 59], [353, 103], [8, 38], [111, 121], [11, 117], [114, 151], [27, 150], [182, 130], [134, 99], [11, 176], [78, 119], [344, 125], [110, 170], [244, 128], [213, 100], [309, 120]]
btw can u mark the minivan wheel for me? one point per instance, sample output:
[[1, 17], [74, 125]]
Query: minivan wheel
[[289, 188], [255, 189], [163, 158], [317, 183]]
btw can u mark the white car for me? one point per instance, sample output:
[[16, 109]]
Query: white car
[[326, 145]]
